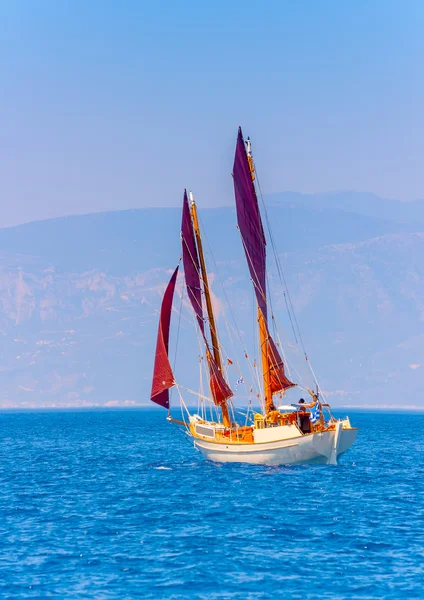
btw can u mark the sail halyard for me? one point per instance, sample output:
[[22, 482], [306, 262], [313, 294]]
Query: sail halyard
[[163, 377], [254, 243], [194, 266]]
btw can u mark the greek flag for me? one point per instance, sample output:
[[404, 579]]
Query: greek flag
[[239, 382], [315, 413]]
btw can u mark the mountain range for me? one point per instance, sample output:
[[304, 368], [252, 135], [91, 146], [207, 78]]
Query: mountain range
[[79, 299]]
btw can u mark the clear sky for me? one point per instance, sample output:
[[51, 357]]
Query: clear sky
[[110, 104]]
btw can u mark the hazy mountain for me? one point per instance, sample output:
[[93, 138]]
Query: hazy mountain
[[79, 299], [362, 203]]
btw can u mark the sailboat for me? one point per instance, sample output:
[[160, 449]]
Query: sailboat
[[300, 432]]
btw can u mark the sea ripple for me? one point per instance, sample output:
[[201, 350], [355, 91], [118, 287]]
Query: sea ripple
[[118, 505]]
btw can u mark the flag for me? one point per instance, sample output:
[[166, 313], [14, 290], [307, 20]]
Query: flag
[[315, 413], [239, 381]]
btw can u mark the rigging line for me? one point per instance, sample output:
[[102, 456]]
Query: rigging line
[[202, 292], [179, 386], [291, 367], [296, 349], [321, 393], [222, 286], [182, 432], [255, 287], [253, 372], [178, 337], [283, 280], [278, 338], [254, 325], [200, 402], [276, 335], [266, 300], [200, 360], [198, 274], [282, 277], [280, 271], [203, 363], [254, 380], [247, 414], [256, 353], [289, 305], [232, 412], [261, 292], [257, 347], [212, 327], [184, 406]]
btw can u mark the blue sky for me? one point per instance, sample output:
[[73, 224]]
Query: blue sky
[[108, 105]]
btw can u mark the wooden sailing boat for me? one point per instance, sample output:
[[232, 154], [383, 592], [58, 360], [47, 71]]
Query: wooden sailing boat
[[290, 434]]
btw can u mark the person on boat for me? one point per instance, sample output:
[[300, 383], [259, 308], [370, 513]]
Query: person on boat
[[273, 415], [302, 418]]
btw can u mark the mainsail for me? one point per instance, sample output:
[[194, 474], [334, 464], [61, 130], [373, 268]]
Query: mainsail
[[192, 269], [250, 223], [254, 243], [191, 264], [163, 378]]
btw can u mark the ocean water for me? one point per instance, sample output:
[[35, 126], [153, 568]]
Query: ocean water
[[119, 505]]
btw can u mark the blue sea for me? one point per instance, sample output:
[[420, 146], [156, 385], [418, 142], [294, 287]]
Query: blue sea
[[118, 505]]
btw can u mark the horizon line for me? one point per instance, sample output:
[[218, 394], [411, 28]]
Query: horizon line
[[220, 206]]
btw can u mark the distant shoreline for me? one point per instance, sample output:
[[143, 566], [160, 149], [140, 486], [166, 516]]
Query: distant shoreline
[[136, 408]]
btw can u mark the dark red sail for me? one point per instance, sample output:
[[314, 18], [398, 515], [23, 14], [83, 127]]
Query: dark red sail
[[250, 222], [191, 264], [163, 378], [279, 381], [254, 243], [219, 388]]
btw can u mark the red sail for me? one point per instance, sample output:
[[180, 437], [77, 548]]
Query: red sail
[[252, 233], [250, 222], [279, 381], [191, 264], [219, 387], [163, 378]]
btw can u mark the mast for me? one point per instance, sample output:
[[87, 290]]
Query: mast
[[212, 324], [266, 373], [263, 329], [254, 243]]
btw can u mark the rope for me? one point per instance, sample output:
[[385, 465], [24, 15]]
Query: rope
[[253, 372], [289, 304]]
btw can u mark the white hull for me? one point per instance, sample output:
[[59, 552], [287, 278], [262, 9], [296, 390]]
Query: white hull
[[318, 448]]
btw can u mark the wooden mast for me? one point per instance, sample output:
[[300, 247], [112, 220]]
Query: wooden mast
[[266, 373], [263, 329], [212, 326]]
